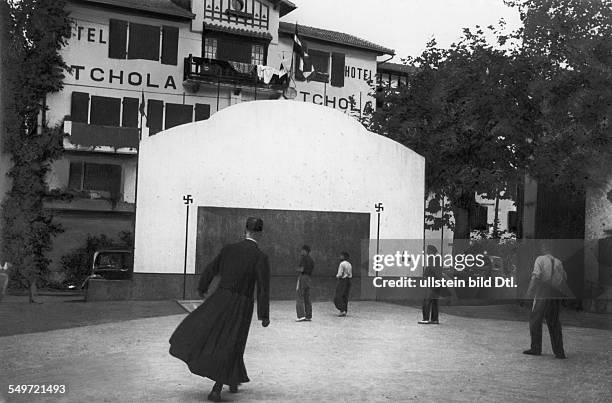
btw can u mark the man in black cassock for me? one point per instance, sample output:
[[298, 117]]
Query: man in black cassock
[[211, 340]]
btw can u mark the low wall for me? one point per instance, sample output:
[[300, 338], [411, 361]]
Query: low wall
[[153, 286]]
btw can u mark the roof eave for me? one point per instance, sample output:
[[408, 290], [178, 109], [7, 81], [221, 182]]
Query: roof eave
[[186, 15]]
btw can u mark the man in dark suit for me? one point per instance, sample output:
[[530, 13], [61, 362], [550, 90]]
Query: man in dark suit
[[212, 339]]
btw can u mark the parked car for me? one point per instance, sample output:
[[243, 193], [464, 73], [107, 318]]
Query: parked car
[[111, 264]]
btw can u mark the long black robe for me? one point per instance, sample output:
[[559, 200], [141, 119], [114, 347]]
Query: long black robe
[[212, 339]]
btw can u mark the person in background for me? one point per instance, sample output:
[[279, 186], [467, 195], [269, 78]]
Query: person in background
[[303, 305], [430, 302], [546, 303], [343, 287]]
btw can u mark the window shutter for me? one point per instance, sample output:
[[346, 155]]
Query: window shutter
[[144, 42], [75, 175], [155, 116], [170, 37], [105, 111], [202, 112], [117, 39], [178, 114], [337, 70], [130, 112], [79, 107]]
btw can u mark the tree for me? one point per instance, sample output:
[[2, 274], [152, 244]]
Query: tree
[[464, 109], [37, 31], [537, 101], [571, 40]]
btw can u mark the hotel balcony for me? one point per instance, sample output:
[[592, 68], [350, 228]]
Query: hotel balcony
[[220, 72], [99, 138]]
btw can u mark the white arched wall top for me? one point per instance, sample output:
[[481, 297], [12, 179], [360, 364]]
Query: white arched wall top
[[270, 155]]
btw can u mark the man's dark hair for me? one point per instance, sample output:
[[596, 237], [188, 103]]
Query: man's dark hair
[[306, 248], [345, 255]]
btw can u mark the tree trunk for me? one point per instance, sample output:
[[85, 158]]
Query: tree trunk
[[461, 213]]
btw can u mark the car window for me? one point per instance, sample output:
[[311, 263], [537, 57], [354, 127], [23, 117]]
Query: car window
[[110, 260]]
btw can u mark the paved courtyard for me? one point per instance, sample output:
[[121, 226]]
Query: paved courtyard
[[377, 353]]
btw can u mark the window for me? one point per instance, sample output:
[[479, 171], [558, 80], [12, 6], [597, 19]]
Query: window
[[105, 111], [143, 43], [103, 178], [130, 113], [79, 107], [210, 48], [234, 49], [155, 116], [337, 70], [169, 53], [319, 60], [178, 114], [478, 217], [202, 112], [257, 55]]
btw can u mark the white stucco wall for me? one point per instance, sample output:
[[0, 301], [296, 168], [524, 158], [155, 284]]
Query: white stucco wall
[[270, 155]]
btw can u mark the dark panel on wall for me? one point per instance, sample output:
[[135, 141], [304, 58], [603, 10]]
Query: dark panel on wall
[[105, 111], [130, 112], [202, 112], [143, 42], [178, 114], [79, 107], [117, 39], [155, 113], [285, 231], [337, 70], [170, 37]]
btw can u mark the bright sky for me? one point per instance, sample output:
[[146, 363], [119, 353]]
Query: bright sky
[[403, 25]]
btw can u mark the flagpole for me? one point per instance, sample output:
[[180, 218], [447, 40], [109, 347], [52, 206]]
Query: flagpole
[[141, 110]]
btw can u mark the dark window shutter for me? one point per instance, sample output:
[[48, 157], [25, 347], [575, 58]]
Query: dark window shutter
[[144, 42], [130, 112], [75, 175], [117, 39], [155, 116], [170, 37], [202, 112], [105, 111], [178, 114], [79, 107], [337, 70]]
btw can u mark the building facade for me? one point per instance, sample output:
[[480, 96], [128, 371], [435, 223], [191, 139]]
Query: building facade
[[139, 68]]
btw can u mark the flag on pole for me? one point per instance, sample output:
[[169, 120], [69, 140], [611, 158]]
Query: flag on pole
[[303, 66], [141, 108]]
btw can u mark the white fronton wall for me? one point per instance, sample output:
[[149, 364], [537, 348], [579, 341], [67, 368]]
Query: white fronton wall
[[270, 155]]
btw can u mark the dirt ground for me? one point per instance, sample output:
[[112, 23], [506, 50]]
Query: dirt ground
[[377, 353]]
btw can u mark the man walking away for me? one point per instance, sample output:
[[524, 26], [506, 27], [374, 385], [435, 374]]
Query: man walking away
[[303, 305], [343, 287], [211, 340], [546, 303]]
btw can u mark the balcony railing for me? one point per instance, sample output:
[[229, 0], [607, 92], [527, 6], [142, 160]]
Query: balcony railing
[[221, 71]]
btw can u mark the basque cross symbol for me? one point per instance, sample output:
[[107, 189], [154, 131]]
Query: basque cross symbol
[[188, 199]]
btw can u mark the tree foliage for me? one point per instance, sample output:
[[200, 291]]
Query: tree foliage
[[483, 113], [37, 31]]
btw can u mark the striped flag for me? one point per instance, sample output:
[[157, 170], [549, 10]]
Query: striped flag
[[304, 67], [141, 108]]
